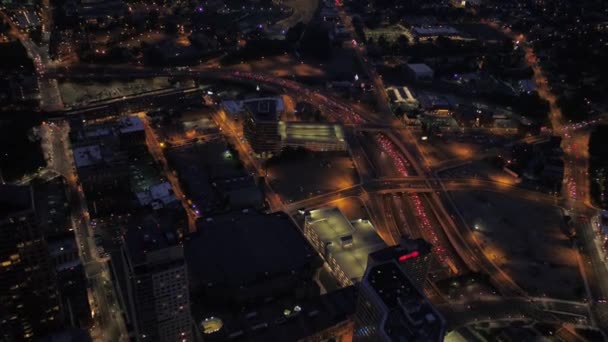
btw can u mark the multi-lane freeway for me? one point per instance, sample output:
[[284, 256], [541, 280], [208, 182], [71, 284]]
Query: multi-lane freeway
[[414, 203]]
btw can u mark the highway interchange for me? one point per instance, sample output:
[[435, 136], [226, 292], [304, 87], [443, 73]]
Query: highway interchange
[[417, 179], [387, 196], [417, 202]]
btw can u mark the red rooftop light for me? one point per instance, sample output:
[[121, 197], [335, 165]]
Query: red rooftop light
[[408, 256]]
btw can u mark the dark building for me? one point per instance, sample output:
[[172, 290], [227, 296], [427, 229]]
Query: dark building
[[131, 132], [113, 166], [261, 126], [53, 211], [71, 280], [52, 207], [320, 318], [91, 10], [414, 256], [155, 294], [102, 167], [213, 178], [29, 300], [391, 308], [244, 258]]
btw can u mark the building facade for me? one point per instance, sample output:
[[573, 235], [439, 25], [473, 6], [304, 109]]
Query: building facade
[[29, 299], [391, 308], [71, 280], [414, 256], [262, 132], [157, 294]]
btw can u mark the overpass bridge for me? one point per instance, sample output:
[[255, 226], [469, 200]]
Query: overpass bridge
[[419, 184]]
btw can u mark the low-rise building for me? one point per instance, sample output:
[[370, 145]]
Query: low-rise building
[[420, 72], [320, 318], [402, 96], [433, 31]]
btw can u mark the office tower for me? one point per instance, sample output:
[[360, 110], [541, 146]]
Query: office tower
[[156, 296], [261, 126], [71, 280], [414, 256], [391, 308], [29, 301]]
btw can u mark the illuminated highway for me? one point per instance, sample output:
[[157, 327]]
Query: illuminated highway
[[415, 204], [395, 141]]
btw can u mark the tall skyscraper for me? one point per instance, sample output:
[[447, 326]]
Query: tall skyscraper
[[71, 280], [391, 308], [157, 296], [29, 300], [53, 214], [261, 126], [414, 256]]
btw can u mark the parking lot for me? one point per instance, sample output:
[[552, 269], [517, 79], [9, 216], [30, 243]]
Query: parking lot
[[316, 173], [524, 239]]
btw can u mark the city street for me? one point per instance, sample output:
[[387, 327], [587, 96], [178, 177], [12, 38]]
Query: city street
[[466, 124], [109, 325], [416, 203]]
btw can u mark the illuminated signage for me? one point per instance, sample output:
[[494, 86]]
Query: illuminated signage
[[408, 256]]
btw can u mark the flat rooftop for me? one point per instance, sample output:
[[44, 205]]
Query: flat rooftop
[[150, 232], [239, 248], [87, 155], [129, 124], [349, 243], [204, 170], [401, 94], [317, 132], [411, 317], [420, 68], [265, 109], [435, 30]]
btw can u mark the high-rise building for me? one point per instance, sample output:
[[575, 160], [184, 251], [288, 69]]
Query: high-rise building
[[391, 308], [29, 300], [261, 126], [414, 256], [71, 280], [157, 299]]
